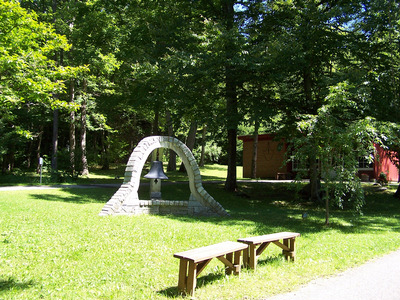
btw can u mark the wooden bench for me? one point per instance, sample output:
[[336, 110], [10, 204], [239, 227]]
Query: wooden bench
[[258, 244], [193, 262]]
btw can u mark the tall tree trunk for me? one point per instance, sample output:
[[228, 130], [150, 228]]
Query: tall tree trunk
[[38, 148], [54, 141], [231, 97], [307, 85], [156, 120], [255, 148], [327, 207], [85, 167], [72, 129], [172, 155], [190, 141], [28, 157], [54, 162], [315, 180], [203, 145], [105, 161], [397, 193]]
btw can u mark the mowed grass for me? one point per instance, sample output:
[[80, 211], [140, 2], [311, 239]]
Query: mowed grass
[[53, 244], [114, 175]]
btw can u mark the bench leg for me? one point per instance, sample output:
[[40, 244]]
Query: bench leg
[[285, 242], [229, 258], [292, 247], [246, 258], [252, 256], [237, 262], [232, 261], [187, 277], [191, 278], [291, 254], [182, 275]]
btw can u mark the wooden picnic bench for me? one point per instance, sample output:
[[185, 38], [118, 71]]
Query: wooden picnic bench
[[258, 244], [193, 262]]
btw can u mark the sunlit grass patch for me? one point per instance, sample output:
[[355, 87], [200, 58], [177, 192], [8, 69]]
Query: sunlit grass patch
[[53, 244]]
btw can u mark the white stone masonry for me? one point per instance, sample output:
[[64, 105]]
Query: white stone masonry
[[126, 199]]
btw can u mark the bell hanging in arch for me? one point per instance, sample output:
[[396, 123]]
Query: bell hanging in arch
[[156, 171]]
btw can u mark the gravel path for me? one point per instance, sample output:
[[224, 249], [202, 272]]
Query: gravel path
[[378, 279]]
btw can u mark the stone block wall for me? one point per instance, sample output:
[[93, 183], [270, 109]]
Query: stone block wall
[[126, 200]]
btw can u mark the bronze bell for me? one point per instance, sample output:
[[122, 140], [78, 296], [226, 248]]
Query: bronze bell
[[156, 171]]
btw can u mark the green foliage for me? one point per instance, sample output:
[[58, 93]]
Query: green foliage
[[382, 179], [337, 137], [131, 61], [212, 153], [28, 72]]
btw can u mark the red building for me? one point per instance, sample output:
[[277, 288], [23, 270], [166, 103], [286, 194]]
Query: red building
[[271, 160]]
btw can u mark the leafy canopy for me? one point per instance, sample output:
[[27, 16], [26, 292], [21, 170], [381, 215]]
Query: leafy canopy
[[28, 73]]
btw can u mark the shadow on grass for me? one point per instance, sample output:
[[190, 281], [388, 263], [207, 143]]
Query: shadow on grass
[[11, 284], [266, 207], [173, 292], [272, 207], [78, 195], [271, 260]]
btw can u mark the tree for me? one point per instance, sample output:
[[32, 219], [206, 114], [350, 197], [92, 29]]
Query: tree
[[375, 68], [307, 41], [93, 36], [337, 136], [29, 75]]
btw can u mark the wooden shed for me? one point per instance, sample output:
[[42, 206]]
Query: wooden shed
[[272, 161], [270, 157]]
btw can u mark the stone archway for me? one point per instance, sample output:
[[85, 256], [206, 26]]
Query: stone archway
[[126, 199]]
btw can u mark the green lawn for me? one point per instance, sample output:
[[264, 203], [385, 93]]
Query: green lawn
[[112, 176], [53, 244]]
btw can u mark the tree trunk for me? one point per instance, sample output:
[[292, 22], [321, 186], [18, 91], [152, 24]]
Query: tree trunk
[[54, 141], [105, 161], [54, 163], [72, 129], [39, 146], [155, 123], [255, 148], [327, 208], [307, 86], [203, 146], [190, 141], [315, 181], [28, 157], [231, 97], [172, 155], [230, 183], [397, 194], [85, 167]]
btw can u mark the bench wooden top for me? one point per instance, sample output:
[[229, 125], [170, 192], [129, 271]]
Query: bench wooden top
[[212, 251], [269, 237]]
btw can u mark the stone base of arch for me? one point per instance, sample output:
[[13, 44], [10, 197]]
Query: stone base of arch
[[126, 201], [164, 207]]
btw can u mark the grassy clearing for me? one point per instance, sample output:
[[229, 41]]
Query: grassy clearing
[[53, 244], [114, 175]]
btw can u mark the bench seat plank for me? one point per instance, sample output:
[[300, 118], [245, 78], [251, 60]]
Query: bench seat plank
[[193, 262], [204, 253], [269, 237], [257, 244]]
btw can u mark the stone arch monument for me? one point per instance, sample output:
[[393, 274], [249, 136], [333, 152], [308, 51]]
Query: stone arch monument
[[126, 200]]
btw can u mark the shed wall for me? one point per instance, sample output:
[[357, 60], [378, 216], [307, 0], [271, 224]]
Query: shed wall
[[270, 158]]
